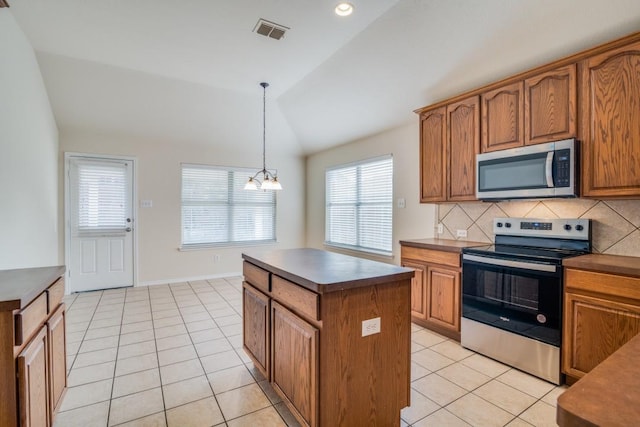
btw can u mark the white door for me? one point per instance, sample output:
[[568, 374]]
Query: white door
[[99, 223]]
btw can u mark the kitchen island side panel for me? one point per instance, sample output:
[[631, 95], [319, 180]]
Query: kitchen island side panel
[[365, 380]]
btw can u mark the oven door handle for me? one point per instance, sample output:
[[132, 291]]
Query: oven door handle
[[510, 263]]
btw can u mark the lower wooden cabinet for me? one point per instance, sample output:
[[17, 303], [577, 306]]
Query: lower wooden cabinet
[[57, 358], [443, 297], [418, 290], [33, 385], [601, 313], [255, 314], [295, 362], [435, 289], [33, 372]]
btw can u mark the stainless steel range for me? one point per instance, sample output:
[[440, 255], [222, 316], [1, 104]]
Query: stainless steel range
[[512, 292]]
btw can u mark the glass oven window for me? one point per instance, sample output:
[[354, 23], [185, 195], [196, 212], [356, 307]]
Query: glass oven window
[[520, 292]]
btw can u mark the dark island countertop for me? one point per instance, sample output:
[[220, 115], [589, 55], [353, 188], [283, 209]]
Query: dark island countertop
[[19, 287], [445, 245], [323, 271], [601, 263], [606, 396]]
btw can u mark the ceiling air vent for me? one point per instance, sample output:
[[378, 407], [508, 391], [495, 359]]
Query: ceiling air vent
[[270, 29]]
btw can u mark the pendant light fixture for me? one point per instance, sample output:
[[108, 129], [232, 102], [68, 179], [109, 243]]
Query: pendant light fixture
[[269, 180]]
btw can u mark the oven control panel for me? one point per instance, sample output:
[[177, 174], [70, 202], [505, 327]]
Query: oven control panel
[[558, 228]]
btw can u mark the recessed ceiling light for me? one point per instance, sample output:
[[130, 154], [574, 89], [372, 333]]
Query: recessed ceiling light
[[344, 9]]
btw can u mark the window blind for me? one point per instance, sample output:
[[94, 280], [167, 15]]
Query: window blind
[[359, 206], [102, 197], [217, 210]]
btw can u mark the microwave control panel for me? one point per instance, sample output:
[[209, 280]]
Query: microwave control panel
[[562, 168]]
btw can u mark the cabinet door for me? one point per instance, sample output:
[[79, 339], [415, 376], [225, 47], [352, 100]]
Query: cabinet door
[[463, 130], [33, 388], [418, 287], [295, 363], [57, 358], [594, 328], [433, 134], [443, 297], [610, 121], [550, 106], [503, 118], [255, 315]]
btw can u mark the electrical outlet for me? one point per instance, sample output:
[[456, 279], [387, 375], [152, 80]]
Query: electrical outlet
[[440, 228], [146, 203], [401, 203], [216, 258], [370, 327], [461, 233]]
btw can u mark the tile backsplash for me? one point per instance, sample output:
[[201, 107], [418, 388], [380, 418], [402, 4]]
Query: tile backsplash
[[615, 223]]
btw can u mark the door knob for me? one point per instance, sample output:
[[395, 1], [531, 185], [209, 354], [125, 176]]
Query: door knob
[[128, 229], [128, 219]]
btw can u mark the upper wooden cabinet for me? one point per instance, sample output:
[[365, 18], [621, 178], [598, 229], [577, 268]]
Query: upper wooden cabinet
[[433, 134], [463, 143], [449, 142], [503, 118], [610, 123], [550, 106], [593, 96]]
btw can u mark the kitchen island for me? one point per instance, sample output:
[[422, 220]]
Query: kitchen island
[[332, 334]]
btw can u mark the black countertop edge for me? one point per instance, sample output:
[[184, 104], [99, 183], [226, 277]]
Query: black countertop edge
[[21, 286], [318, 286]]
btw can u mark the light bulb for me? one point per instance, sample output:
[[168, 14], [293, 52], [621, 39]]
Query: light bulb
[[344, 9]]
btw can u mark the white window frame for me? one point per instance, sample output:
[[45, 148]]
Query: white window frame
[[245, 173], [358, 248]]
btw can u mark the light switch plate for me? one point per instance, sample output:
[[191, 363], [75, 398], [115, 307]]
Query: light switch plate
[[371, 326], [401, 203], [146, 203]]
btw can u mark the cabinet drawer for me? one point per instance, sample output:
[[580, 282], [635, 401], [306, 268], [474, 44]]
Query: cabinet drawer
[[55, 293], [623, 287], [451, 259], [296, 297], [258, 277], [30, 318]]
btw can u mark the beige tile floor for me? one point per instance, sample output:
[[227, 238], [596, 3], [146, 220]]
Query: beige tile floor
[[171, 355]]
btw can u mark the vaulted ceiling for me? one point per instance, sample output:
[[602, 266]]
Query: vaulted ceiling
[[188, 71]]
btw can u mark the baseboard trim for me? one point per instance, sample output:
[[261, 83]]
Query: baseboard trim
[[188, 279]]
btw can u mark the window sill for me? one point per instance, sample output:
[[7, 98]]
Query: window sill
[[361, 251], [230, 245]]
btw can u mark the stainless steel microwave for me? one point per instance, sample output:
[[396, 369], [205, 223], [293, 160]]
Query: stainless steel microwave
[[530, 172]]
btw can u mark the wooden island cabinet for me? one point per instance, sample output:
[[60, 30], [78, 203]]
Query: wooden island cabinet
[[331, 333], [33, 374]]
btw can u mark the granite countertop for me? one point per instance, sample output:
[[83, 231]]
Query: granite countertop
[[19, 287], [606, 396], [445, 245], [323, 271], [612, 264]]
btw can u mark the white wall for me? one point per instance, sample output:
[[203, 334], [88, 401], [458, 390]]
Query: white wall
[[159, 180], [412, 222], [28, 156]]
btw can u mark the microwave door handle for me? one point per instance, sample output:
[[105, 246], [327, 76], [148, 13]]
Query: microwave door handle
[[548, 169]]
